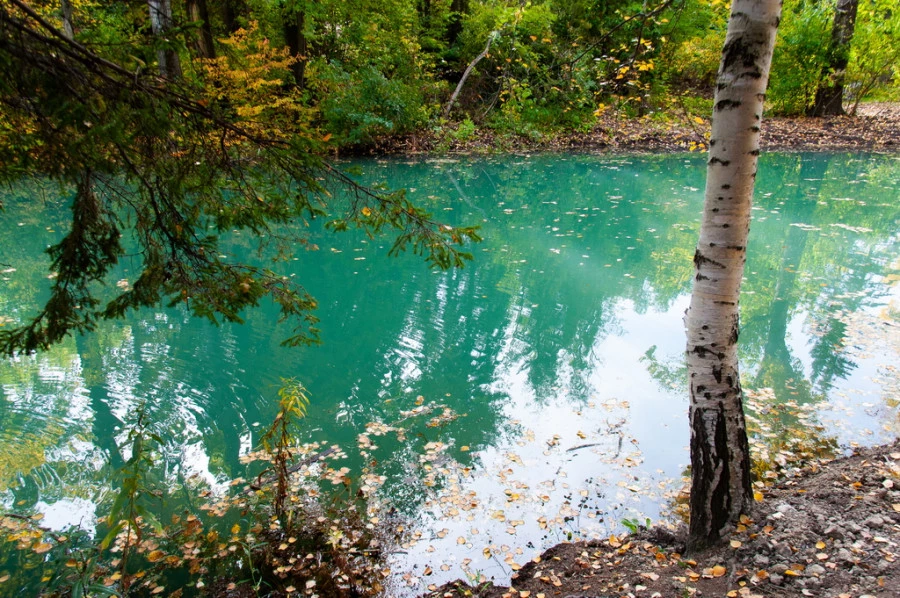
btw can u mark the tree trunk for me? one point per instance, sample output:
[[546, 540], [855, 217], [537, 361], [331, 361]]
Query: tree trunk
[[295, 35], [68, 28], [231, 10], [830, 93], [720, 459], [161, 22], [198, 12]]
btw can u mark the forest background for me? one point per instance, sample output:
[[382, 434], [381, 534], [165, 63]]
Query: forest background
[[353, 72]]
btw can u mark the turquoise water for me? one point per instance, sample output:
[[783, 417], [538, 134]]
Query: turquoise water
[[558, 350]]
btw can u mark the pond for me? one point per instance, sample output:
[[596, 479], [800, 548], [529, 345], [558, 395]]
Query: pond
[[540, 389]]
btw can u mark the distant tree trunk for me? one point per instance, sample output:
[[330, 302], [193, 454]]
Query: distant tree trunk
[[161, 23], [458, 8], [295, 35], [720, 457], [231, 10], [830, 93], [203, 43], [68, 28]]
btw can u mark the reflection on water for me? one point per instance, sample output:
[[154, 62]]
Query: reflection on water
[[560, 348]]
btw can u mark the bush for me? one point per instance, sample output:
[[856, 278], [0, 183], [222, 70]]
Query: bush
[[359, 106]]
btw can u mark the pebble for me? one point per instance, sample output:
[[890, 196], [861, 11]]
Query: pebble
[[815, 570], [761, 560], [776, 579]]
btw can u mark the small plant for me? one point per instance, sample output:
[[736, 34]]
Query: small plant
[[279, 439], [634, 526], [465, 131]]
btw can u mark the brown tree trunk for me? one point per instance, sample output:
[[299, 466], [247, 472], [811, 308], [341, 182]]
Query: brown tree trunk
[[720, 456], [295, 36], [198, 12], [231, 10], [830, 93]]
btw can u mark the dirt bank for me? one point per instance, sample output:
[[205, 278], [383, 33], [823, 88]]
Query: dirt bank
[[876, 127]]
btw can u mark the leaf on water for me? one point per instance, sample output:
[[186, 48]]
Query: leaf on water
[[156, 556], [42, 547]]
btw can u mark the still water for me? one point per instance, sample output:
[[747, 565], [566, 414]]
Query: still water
[[557, 353]]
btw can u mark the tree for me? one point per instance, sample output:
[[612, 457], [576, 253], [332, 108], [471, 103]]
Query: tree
[[164, 168], [161, 24], [198, 12], [720, 459], [830, 93]]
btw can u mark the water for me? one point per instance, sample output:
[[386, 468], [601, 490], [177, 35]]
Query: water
[[559, 349]]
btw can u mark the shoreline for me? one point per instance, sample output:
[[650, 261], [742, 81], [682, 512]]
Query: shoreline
[[876, 128], [830, 530]]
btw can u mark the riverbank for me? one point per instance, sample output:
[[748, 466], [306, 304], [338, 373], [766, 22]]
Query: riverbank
[[831, 530], [874, 128]]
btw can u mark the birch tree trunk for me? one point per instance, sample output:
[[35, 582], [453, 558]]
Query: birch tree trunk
[[720, 460], [161, 22]]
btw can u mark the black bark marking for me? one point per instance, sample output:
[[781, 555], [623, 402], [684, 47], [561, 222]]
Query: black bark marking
[[717, 374], [755, 129], [719, 161], [726, 105], [726, 225], [754, 152], [700, 259], [726, 186], [700, 277]]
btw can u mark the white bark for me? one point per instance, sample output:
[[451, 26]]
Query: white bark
[[160, 23], [719, 454]]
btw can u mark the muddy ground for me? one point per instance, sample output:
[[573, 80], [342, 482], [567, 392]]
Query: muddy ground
[[831, 530]]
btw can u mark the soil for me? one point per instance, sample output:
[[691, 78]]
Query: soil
[[831, 530], [876, 127]]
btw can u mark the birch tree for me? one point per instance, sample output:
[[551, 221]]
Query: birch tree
[[161, 23], [720, 459]]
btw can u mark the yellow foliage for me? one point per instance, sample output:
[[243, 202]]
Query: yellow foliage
[[249, 77]]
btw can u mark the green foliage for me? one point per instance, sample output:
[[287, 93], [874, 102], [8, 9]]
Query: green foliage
[[362, 105], [801, 55], [875, 52]]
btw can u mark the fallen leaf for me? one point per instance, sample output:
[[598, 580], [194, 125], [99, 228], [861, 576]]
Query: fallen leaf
[[718, 571], [735, 544]]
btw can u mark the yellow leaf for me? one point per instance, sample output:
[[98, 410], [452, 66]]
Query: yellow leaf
[[533, 38], [326, 137], [235, 528], [718, 571], [42, 547], [156, 555], [366, 212], [698, 120], [735, 544], [820, 545], [5, 578], [758, 496]]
